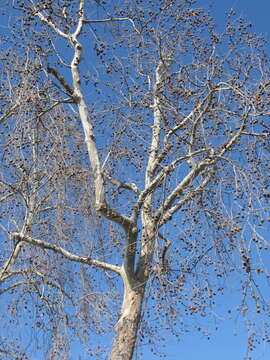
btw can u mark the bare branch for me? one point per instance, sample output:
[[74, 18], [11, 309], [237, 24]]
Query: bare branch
[[51, 24], [9, 263], [101, 204], [112, 19], [255, 134], [159, 178], [19, 283], [60, 79], [160, 71], [9, 274], [59, 250], [9, 113], [9, 353], [164, 211], [236, 136], [123, 185], [166, 216], [3, 198], [80, 21], [200, 108]]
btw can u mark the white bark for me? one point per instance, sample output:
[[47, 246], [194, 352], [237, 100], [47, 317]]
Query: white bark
[[59, 250]]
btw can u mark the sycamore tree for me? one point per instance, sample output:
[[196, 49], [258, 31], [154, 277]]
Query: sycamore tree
[[134, 178]]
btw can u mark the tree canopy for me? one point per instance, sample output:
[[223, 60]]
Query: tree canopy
[[134, 175]]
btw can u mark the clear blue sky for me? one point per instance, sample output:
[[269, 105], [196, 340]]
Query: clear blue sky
[[230, 341]]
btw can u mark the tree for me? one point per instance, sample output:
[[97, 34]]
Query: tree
[[135, 146]]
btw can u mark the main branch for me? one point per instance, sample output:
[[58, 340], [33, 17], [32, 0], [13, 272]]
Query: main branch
[[67, 254]]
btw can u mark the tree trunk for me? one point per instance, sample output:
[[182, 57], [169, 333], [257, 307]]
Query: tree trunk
[[127, 326]]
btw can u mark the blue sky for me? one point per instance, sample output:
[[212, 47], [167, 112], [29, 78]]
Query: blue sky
[[256, 11]]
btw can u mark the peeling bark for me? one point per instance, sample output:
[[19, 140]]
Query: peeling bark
[[127, 326]]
